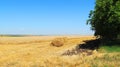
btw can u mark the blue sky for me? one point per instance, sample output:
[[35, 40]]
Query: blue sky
[[45, 17]]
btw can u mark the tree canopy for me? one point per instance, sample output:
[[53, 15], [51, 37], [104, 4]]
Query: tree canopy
[[105, 18]]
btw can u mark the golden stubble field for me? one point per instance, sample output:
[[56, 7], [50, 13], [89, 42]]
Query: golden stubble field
[[35, 51]]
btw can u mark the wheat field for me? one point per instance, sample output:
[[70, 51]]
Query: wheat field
[[35, 51]]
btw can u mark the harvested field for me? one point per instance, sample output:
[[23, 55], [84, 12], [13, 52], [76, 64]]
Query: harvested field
[[37, 52]]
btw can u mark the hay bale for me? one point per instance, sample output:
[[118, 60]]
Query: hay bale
[[58, 42]]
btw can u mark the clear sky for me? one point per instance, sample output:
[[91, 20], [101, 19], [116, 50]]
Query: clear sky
[[45, 17]]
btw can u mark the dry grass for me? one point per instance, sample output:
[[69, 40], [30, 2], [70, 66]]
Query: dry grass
[[37, 52]]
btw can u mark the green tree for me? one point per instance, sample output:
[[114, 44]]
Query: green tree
[[105, 19]]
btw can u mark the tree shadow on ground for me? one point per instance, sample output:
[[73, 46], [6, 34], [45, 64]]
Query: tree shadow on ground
[[95, 44], [87, 48], [112, 43], [90, 44]]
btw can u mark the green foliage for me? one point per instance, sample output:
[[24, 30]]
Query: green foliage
[[109, 49], [105, 19], [110, 46]]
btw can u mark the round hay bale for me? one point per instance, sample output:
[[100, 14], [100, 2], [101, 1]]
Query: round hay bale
[[58, 42]]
